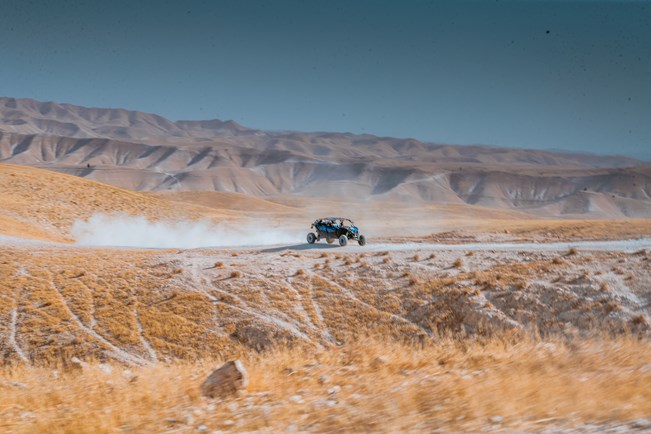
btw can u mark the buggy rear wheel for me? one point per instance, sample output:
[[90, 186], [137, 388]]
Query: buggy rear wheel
[[343, 240], [311, 238]]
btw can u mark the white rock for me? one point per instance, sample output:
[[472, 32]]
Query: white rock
[[549, 347], [496, 419], [27, 415], [13, 384], [297, 399], [641, 423], [646, 368], [334, 389], [79, 363]]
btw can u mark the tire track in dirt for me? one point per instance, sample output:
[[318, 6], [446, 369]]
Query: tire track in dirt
[[352, 296], [115, 351], [145, 343], [11, 336], [199, 282]]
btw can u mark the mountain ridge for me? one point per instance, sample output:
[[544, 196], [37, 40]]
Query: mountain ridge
[[147, 152]]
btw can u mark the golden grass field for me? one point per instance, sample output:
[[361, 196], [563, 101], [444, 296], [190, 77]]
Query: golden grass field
[[510, 382]]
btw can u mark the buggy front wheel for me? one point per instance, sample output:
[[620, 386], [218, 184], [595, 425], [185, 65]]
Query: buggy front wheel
[[362, 240]]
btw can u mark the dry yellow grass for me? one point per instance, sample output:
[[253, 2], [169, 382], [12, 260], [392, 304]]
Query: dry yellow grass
[[453, 385], [40, 204], [565, 230], [166, 305]]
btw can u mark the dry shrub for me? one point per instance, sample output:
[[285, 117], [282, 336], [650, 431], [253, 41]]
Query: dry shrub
[[572, 251], [470, 253], [413, 280], [300, 272], [639, 320], [604, 286], [236, 274], [618, 270], [219, 264], [177, 271], [431, 256], [323, 255], [406, 274], [457, 263], [386, 260], [558, 261], [612, 305], [416, 257], [348, 261], [234, 254], [521, 285]]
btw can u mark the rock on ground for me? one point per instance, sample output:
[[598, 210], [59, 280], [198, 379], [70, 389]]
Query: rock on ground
[[226, 380]]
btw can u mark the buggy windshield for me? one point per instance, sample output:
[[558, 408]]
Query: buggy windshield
[[335, 221]]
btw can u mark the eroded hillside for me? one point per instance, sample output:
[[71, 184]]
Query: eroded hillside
[[146, 152], [138, 307]]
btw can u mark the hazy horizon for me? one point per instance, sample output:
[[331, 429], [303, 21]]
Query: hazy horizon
[[571, 76]]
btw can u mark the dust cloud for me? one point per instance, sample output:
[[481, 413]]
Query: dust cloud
[[135, 231]]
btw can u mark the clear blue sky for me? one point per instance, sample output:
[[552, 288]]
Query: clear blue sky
[[533, 74]]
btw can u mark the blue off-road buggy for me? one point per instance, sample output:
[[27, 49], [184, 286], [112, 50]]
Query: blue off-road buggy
[[335, 228]]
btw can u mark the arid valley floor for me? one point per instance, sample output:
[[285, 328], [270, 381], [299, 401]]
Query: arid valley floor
[[452, 318]]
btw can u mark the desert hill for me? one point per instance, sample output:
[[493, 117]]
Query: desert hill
[[41, 204], [146, 152]]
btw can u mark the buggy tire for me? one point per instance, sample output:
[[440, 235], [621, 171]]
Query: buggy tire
[[311, 238], [362, 240], [343, 240], [330, 240]]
